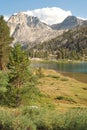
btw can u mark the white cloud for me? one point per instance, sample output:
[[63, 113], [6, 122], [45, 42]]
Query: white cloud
[[82, 18], [50, 15], [6, 17]]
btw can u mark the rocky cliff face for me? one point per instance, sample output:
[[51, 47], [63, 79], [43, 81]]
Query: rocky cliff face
[[29, 29]]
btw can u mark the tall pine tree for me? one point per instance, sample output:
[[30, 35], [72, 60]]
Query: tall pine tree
[[18, 66], [19, 75], [5, 40]]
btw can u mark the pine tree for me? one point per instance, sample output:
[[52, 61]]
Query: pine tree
[[18, 66], [5, 40], [19, 75]]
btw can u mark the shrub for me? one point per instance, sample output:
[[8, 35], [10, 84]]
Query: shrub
[[3, 84], [23, 123], [3, 79], [60, 97], [39, 72], [6, 120], [12, 96], [64, 79], [35, 118], [76, 119], [54, 76], [65, 98]]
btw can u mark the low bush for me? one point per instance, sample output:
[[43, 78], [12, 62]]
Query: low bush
[[65, 98], [54, 76], [35, 118], [6, 120], [39, 72], [64, 79]]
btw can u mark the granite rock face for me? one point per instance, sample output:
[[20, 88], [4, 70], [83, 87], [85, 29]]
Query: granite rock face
[[29, 29]]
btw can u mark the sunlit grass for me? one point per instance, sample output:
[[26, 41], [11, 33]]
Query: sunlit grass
[[54, 84]]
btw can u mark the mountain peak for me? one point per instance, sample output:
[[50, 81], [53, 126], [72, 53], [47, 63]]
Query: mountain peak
[[68, 23], [23, 18], [26, 29], [73, 20]]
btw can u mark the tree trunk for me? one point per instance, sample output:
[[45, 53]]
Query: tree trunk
[[1, 67]]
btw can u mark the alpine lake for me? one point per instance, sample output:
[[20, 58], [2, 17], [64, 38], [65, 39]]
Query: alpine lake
[[76, 70]]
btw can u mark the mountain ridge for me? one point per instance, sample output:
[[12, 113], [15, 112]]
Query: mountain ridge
[[29, 29], [68, 23]]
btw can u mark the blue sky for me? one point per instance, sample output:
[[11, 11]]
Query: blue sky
[[77, 7]]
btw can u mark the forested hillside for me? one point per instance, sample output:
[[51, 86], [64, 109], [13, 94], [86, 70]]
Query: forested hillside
[[70, 45]]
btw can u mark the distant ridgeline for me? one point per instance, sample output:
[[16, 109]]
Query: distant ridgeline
[[70, 45]]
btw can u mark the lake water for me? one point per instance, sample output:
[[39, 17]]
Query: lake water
[[74, 70]]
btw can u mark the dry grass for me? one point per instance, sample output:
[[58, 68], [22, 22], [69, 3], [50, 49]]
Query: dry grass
[[53, 85]]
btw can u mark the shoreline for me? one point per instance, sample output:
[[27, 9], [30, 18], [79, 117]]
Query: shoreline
[[82, 77], [59, 61]]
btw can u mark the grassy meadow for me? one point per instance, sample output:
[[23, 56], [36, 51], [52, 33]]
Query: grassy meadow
[[63, 91], [56, 102]]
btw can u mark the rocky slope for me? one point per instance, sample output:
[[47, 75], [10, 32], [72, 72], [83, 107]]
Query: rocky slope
[[68, 23], [29, 29], [71, 44]]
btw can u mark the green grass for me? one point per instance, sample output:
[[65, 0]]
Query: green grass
[[55, 86]]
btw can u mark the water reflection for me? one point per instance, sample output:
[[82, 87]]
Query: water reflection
[[65, 67]]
